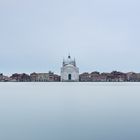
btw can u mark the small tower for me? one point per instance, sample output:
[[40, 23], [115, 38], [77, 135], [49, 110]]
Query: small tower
[[69, 70]]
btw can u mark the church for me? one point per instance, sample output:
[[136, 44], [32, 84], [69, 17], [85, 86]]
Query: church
[[69, 70]]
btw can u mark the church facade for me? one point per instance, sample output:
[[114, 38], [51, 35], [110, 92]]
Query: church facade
[[69, 70]]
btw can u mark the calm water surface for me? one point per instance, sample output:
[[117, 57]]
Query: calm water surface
[[69, 111]]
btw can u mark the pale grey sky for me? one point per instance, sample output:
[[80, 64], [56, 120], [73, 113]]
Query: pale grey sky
[[102, 35]]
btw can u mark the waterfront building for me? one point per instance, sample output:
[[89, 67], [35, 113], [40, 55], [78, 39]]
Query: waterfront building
[[1, 76], [39, 77], [132, 77], [44, 77], [69, 70], [20, 77], [85, 77]]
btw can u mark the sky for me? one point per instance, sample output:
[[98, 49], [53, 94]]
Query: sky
[[103, 35]]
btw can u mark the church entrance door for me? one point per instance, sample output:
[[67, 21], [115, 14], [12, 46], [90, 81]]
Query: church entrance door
[[69, 76]]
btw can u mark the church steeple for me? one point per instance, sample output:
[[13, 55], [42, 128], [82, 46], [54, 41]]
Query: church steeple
[[74, 62], [63, 61]]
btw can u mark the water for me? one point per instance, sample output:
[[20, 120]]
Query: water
[[69, 111]]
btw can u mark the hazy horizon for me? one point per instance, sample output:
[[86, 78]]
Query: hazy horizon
[[103, 36]]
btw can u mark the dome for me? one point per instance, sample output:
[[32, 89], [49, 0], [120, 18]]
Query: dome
[[69, 61]]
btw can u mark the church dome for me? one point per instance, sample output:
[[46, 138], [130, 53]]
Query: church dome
[[69, 61]]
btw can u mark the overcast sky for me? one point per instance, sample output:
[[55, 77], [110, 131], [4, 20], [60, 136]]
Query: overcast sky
[[103, 35]]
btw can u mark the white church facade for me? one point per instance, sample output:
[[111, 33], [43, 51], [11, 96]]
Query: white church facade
[[69, 70]]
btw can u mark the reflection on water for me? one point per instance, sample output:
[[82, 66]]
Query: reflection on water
[[69, 111]]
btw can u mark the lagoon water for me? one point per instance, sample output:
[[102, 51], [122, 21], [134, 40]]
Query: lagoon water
[[69, 111]]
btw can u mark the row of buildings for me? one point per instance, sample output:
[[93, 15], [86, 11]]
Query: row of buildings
[[70, 73], [114, 76], [33, 77]]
